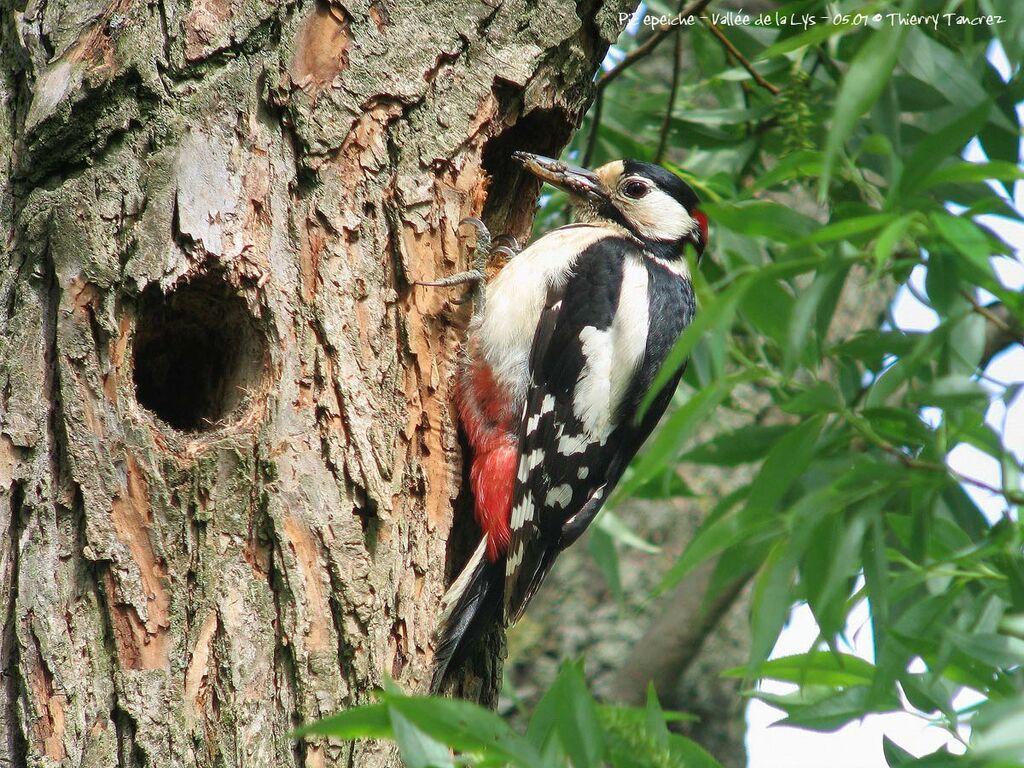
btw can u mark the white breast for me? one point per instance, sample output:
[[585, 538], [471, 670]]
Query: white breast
[[515, 299]]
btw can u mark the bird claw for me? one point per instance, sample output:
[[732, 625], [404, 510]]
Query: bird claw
[[508, 243], [483, 253], [471, 276]]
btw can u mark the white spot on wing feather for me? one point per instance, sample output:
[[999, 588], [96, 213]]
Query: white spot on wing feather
[[559, 496], [571, 444], [522, 512], [528, 463]]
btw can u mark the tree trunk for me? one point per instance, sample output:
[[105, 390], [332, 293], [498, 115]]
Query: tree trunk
[[228, 460]]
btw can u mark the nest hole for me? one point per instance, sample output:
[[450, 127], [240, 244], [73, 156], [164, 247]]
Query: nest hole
[[198, 356]]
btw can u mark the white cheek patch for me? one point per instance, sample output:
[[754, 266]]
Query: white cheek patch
[[658, 216]]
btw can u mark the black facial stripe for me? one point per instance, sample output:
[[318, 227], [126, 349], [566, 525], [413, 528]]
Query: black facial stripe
[[611, 213]]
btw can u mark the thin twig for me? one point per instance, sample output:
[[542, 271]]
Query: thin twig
[[666, 123], [1013, 333], [758, 78], [595, 125], [1013, 497], [652, 42]]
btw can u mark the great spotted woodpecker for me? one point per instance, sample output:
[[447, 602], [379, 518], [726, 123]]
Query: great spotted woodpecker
[[564, 343]]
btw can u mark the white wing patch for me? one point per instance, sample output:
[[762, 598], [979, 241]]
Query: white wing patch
[[592, 398], [613, 355]]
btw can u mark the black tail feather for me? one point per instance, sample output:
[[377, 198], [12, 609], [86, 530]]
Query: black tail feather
[[469, 608]]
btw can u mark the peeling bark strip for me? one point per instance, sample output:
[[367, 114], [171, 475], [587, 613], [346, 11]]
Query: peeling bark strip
[[228, 463]]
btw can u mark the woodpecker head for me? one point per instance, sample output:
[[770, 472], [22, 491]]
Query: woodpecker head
[[653, 204]]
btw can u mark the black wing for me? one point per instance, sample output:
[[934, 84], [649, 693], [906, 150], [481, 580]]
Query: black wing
[[565, 474]]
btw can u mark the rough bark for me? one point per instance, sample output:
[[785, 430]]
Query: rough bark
[[228, 463]]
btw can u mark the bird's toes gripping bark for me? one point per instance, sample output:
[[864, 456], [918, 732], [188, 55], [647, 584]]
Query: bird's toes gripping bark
[[485, 251]]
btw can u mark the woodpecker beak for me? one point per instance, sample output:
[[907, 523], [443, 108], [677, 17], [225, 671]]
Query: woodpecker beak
[[575, 180]]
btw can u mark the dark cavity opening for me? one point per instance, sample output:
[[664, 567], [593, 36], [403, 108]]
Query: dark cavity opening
[[513, 193], [197, 353]]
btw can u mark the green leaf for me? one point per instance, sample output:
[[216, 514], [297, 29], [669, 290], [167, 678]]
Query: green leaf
[[990, 648], [568, 712], [800, 321], [368, 721], [895, 755], [889, 239], [615, 527], [784, 464], [602, 549], [951, 392], [966, 238], [822, 397], [940, 144], [823, 668], [664, 448], [963, 172], [836, 709], [812, 36], [739, 446], [942, 280], [716, 534], [762, 218], [800, 164], [463, 726], [689, 753], [769, 309], [936, 65], [770, 603], [655, 718], [846, 229], [869, 72], [999, 730], [418, 750]]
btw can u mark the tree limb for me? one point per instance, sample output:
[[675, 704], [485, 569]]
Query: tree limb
[[669, 646]]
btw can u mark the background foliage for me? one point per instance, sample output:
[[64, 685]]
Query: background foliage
[[823, 154]]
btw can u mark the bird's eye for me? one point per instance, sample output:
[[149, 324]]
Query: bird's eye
[[635, 189]]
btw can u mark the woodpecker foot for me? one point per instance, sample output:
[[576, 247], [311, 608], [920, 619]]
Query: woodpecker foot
[[487, 247], [483, 253]]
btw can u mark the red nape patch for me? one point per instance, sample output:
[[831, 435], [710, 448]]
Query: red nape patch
[[702, 222], [492, 479]]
